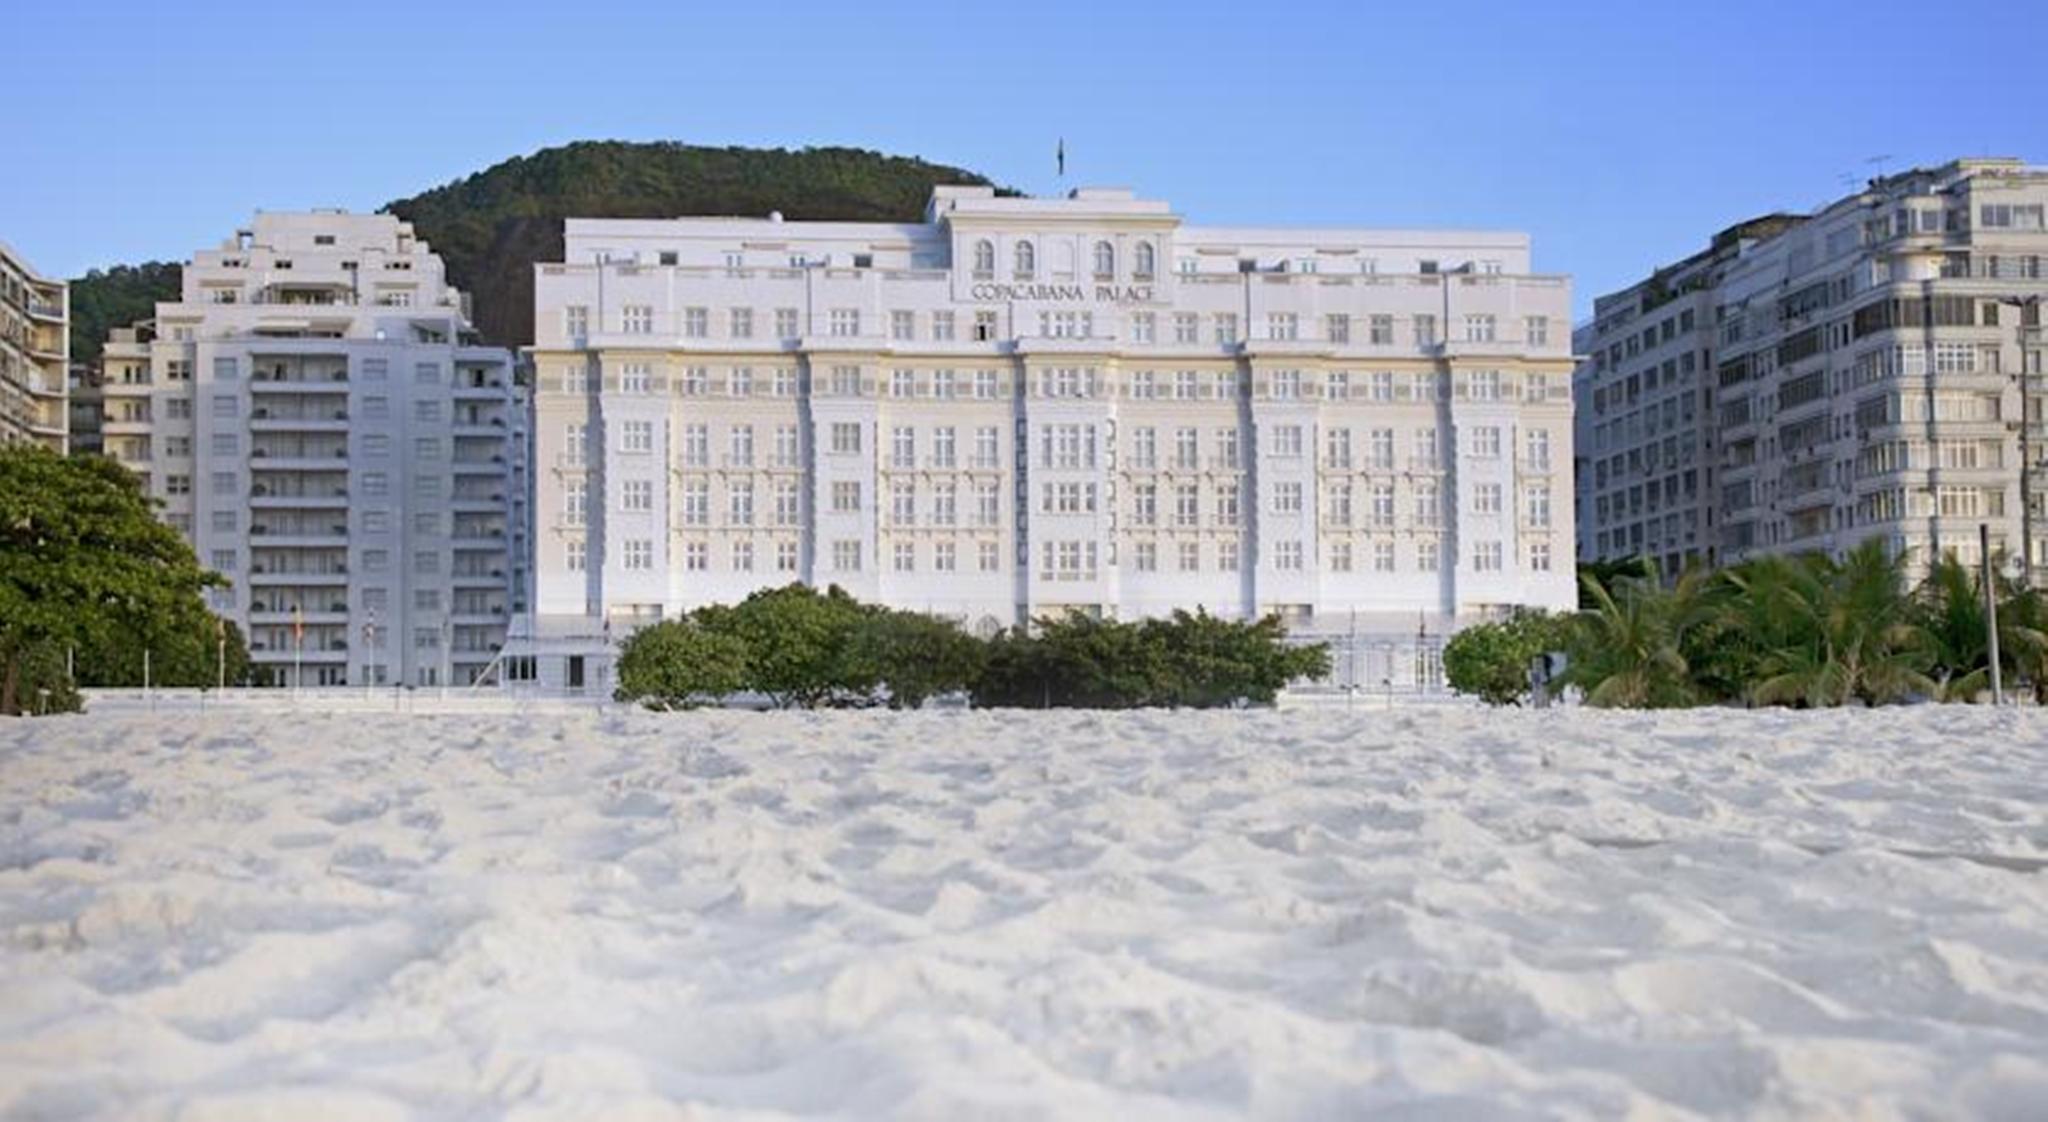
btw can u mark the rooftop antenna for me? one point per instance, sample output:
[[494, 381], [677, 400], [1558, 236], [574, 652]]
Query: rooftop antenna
[[1060, 156], [1877, 162]]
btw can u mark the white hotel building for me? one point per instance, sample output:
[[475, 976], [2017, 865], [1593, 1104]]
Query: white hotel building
[[1021, 407], [318, 422]]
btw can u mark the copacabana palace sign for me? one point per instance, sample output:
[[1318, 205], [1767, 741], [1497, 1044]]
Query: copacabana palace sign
[[1055, 293]]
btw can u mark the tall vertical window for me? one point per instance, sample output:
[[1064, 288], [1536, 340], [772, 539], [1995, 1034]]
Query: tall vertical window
[[984, 258], [1143, 261], [1105, 261], [576, 322], [696, 322], [741, 323], [1536, 329], [1025, 261]]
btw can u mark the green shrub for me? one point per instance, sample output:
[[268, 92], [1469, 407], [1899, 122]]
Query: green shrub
[[677, 664], [1192, 660], [1490, 661]]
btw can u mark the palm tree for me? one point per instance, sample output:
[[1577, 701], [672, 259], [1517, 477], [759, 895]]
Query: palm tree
[[1841, 631], [1951, 609], [1628, 650]]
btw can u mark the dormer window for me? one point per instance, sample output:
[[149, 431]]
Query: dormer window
[[1026, 261], [281, 263], [1141, 266], [1105, 261], [984, 258], [323, 239]]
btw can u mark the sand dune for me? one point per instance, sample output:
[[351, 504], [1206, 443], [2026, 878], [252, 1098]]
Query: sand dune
[[1428, 915]]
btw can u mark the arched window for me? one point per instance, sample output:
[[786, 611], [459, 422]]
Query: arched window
[[985, 257], [1143, 265], [1105, 260], [1027, 261]]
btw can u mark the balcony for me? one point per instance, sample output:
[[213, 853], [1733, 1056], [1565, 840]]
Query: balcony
[[267, 460], [494, 465], [266, 419], [478, 578], [277, 615], [470, 388], [45, 310], [265, 575]]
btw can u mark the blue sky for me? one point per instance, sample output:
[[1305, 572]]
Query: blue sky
[[1618, 135]]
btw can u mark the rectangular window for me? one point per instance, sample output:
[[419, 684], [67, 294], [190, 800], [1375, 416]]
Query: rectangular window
[[1287, 498], [786, 323], [846, 496], [846, 555], [639, 555], [1287, 556], [576, 322], [846, 438], [1337, 328], [942, 326], [845, 323], [785, 557], [740, 323], [902, 325], [696, 323], [1536, 329], [638, 319], [637, 495]]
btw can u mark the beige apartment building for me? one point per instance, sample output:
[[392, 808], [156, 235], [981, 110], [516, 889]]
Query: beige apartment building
[[1808, 382], [35, 353]]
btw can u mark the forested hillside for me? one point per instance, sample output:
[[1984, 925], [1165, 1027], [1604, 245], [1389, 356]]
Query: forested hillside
[[493, 226]]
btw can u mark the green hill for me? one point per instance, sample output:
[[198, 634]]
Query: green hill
[[104, 299], [493, 226]]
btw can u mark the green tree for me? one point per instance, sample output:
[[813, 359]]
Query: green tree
[[1628, 650], [1840, 631], [1211, 662], [187, 649], [679, 664], [913, 657], [1950, 613], [104, 299], [1188, 659], [799, 643], [1491, 660], [492, 226], [82, 559]]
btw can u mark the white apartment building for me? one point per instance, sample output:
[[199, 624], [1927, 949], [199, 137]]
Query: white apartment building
[[1021, 407], [1874, 372], [318, 421], [35, 353]]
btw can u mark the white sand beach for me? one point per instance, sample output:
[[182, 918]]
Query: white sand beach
[[1418, 915]]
